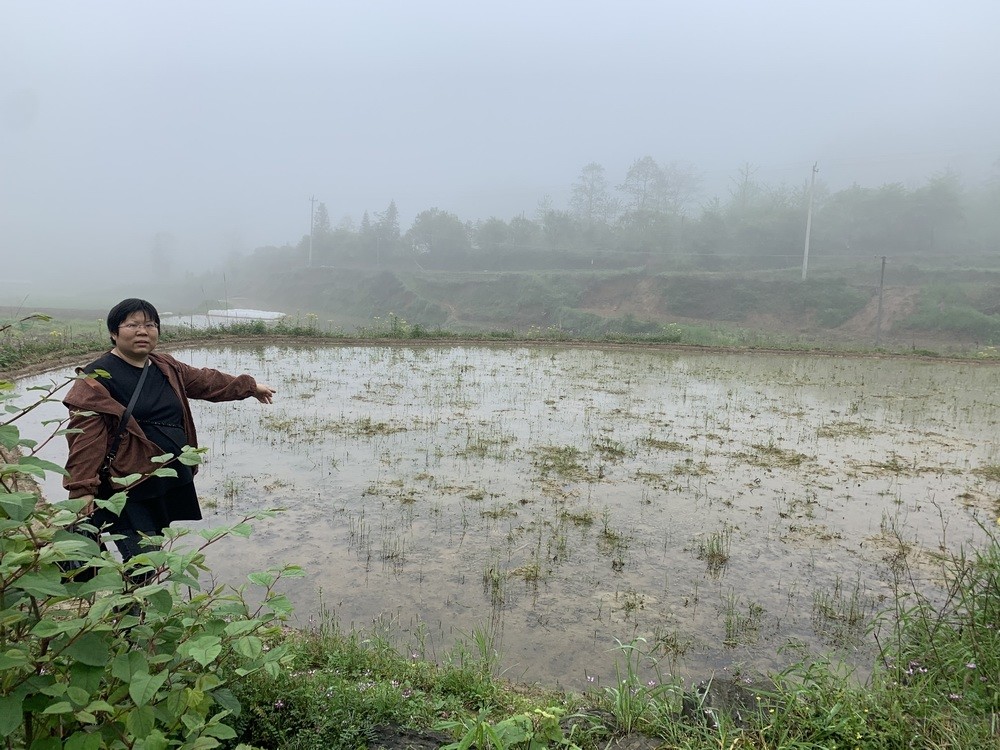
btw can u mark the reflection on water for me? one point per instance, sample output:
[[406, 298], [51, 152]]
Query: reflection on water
[[214, 318], [720, 506]]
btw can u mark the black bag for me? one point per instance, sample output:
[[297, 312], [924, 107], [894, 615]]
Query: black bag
[[106, 488]]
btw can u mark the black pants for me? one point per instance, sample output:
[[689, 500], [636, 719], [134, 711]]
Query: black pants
[[149, 516], [131, 526]]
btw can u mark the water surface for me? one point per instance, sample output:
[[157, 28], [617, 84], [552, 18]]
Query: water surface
[[555, 499]]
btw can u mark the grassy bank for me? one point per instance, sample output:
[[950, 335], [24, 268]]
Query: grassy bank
[[35, 339], [935, 685]]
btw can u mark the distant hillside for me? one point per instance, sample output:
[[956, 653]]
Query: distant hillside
[[936, 310]]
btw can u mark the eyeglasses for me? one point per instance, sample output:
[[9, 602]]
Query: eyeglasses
[[150, 326]]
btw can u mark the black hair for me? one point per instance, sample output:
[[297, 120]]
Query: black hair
[[125, 308]]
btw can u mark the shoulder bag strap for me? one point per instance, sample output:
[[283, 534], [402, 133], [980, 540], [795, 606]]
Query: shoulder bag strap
[[123, 424]]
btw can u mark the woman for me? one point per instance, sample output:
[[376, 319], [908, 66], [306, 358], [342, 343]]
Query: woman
[[160, 423]]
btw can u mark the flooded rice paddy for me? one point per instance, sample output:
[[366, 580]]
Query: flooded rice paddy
[[552, 500]]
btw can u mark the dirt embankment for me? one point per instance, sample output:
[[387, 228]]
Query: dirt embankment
[[647, 298]]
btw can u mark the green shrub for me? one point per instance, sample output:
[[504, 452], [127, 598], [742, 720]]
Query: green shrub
[[959, 321], [140, 656]]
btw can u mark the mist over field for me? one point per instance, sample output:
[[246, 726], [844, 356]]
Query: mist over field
[[142, 141]]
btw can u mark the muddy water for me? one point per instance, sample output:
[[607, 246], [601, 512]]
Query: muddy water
[[553, 500]]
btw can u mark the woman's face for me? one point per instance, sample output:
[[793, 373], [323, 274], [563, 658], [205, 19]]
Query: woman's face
[[137, 336]]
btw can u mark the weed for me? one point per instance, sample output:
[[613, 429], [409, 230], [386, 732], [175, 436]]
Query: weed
[[531, 573], [664, 445], [842, 614], [771, 455], [564, 461], [578, 517], [845, 429], [494, 581], [633, 700], [740, 627], [990, 472], [610, 450], [714, 549]]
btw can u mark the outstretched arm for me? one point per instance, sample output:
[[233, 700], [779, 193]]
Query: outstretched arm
[[264, 393]]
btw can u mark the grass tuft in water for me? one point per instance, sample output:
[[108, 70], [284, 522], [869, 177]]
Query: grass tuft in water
[[714, 549]]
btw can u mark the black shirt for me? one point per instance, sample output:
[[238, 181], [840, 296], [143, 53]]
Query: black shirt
[[158, 411]]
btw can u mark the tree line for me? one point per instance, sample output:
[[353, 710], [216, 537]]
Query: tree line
[[652, 220]]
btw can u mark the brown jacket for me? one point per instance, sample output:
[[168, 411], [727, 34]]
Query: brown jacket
[[88, 448]]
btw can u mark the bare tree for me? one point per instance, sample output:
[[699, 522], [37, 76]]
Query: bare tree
[[591, 200], [662, 189]]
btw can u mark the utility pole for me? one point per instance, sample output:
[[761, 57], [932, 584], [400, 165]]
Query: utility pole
[[312, 221], [809, 220], [878, 315]]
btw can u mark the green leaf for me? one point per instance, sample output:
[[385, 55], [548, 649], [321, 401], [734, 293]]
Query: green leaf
[[83, 741], [115, 503], [222, 731], [190, 456], [107, 580], [214, 533], [13, 658], [225, 698], [160, 601], [280, 604], [263, 578], [42, 584], [91, 649], [243, 530], [162, 459], [50, 628], [127, 481], [128, 664], [9, 435], [87, 678], [193, 722], [38, 463], [78, 696], [10, 714], [68, 431], [54, 689], [249, 646], [62, 707], [155, 741], [241, 627], [165, 471], [140, 721], [143, 686], [207, 682], [18, 505], [205, 649]]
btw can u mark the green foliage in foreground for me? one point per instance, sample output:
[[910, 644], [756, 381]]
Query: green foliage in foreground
[[139, 655]]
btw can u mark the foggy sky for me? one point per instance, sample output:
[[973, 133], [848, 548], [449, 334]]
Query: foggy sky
[[216, 121]]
